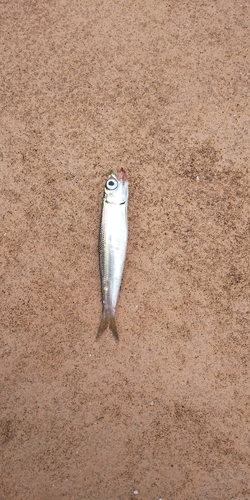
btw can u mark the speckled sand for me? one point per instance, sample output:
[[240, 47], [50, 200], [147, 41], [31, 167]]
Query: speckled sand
[[161, 88]]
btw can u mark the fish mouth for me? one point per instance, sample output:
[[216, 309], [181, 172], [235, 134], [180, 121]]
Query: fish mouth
[[121, 175]]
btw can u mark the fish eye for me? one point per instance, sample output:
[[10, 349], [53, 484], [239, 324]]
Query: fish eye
[[111, 184]]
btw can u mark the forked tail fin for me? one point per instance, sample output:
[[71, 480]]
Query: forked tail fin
[[108, 320]]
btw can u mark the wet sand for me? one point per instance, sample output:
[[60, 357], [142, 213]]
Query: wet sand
[[160, 88]]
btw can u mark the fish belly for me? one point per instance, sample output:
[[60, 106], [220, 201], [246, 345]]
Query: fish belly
[[113, 244]]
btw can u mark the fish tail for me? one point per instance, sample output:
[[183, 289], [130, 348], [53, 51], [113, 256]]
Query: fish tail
[[113, 327], [108, 320]]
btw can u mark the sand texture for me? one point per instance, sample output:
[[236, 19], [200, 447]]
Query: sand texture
[[162, 89]]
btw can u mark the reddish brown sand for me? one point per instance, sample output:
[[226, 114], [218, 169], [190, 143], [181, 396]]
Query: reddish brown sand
[[161, 88]]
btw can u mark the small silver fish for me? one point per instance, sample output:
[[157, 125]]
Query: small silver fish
[[112, 246]]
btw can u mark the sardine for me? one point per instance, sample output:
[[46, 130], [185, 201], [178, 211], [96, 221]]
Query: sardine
[[112, 246]]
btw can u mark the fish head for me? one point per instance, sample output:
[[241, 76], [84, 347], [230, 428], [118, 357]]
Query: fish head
[[116, 188]]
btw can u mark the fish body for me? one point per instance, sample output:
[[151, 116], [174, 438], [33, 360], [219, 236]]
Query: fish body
[[112, 246]]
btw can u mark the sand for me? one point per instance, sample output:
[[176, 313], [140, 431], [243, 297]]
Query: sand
[[162, 89]]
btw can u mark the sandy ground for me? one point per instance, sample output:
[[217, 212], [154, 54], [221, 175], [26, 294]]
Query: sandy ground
[[162, 89]]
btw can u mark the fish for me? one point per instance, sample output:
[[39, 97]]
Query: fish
[[113, 238]]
